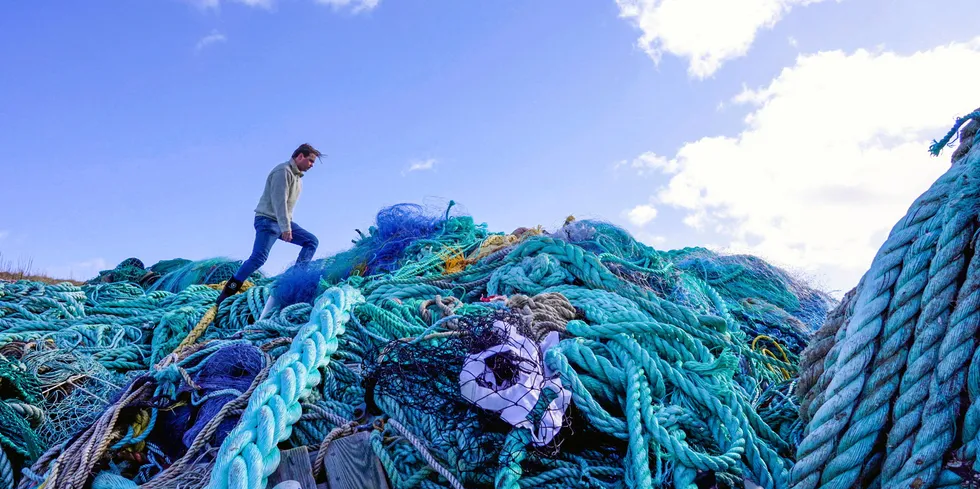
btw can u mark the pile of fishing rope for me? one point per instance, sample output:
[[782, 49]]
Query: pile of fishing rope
[[680, 362], [577, 357]]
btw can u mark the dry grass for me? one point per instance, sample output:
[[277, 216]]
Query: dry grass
[[23, 270]]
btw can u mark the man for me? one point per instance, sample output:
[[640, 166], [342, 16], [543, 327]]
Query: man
[[274, 217]]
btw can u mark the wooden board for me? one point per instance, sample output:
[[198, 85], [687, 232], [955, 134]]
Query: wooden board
[[351, 464], [294, 465]]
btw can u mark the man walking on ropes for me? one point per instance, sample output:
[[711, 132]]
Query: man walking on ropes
[[274, 217]]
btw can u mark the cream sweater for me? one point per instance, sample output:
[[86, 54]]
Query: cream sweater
[[282, 189]]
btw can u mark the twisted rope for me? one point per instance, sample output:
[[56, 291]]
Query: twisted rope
[[857, 347], [884, 409], [429, 459], [249, 454], [937, 146], [71, 466], [874, 408], [6, 471], [341, 431], [930, 375]]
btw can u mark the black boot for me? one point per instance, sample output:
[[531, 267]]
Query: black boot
[[231, 288]]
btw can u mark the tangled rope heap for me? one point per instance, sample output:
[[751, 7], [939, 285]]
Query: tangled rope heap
[[680, 363], [573, 358]]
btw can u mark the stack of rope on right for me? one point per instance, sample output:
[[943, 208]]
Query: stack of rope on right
[[890, 385]]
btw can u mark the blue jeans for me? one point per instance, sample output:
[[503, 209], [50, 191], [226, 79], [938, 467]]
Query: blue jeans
[[266, 233]]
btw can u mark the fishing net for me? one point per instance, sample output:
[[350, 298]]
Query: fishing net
[[210, 271], [740, 277], [76, 388], [172, 275], [403, 235], [18, 393]]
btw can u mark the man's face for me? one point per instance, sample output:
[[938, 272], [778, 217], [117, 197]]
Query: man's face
[[304, 163]]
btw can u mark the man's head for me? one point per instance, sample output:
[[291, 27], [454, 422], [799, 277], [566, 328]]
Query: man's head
[[304, 156]]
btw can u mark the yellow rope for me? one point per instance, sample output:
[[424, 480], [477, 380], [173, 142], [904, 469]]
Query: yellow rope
[[139, 425], [765, 351], [201, 327], [208, 317]]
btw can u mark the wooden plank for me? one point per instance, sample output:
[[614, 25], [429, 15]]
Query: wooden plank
[[351, 464], [294, 465]]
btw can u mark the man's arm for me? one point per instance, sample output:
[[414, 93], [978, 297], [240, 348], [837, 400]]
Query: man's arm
[[280, 184]]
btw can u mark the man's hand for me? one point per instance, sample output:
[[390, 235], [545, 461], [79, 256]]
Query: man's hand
[[287, 236]]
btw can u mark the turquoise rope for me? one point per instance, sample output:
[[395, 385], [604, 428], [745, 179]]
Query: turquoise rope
[[250, 454], [937, 146]]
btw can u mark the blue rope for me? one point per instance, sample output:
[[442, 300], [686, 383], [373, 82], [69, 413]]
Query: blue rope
[[937, 146]]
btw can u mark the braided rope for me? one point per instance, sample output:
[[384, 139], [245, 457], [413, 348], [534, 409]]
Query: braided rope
[[249, 454]]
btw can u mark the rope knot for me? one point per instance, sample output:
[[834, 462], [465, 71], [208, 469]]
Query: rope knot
[[169, 377]]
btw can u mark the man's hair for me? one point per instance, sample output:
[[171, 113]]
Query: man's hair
[[306, 150]]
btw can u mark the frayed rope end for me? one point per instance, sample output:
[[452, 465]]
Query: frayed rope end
[[937, 146]]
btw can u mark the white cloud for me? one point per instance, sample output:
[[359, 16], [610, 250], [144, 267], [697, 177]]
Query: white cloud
[[649, 163], [357, 6], [832, 154], [421, 165], [793, 42], [642, 214], [212, 38], [706, 32]]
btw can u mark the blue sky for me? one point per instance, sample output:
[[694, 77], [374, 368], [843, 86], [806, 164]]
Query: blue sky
[[147, 128]]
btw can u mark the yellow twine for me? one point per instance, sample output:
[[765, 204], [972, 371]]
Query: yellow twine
[[765, 351], [453, 261], [496, 242]]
